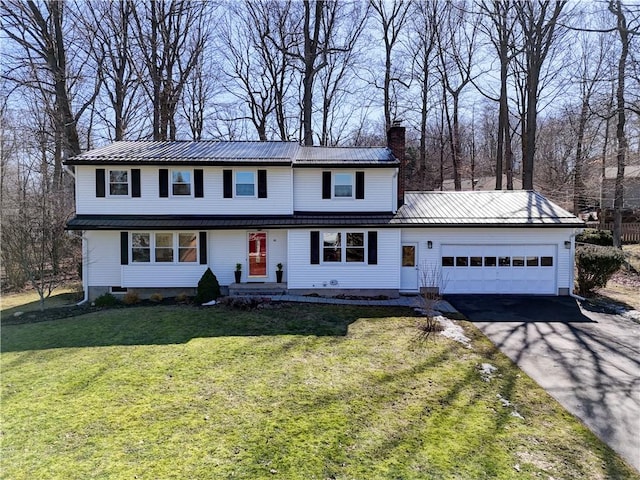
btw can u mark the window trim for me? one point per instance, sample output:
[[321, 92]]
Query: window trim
[[343, 247], [175, 245], [109, 183], [190, 183]]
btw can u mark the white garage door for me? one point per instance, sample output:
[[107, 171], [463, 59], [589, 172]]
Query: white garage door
[[499, 269]]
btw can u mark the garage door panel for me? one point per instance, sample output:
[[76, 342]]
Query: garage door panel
[[503, 269]]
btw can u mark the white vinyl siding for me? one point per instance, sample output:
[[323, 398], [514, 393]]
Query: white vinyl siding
[[379, 191], [514, 242], [384, 275], [103, 265], [279, 201]]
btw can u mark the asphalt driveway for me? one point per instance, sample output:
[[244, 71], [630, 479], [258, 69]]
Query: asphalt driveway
[[588, 361]]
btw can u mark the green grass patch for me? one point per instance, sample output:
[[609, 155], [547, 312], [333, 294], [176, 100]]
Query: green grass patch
[[293, 392]]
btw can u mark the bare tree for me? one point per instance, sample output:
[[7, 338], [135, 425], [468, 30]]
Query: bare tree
[[456, 45], [424, 27], [392, 17], [625, 32], [108, 29], [171, 36], [538, 21]]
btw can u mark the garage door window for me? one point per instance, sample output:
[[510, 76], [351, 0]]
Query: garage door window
[[489, 261], [532, 261], [447, 261], [546, 261], [518, 261], [462, 261], [504, 261], [475, 261]]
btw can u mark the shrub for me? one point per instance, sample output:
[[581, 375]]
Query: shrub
[[156, 297], [131, 298], [596, 237], [182, 297], [208, 287], [106, 300], [596, 265]]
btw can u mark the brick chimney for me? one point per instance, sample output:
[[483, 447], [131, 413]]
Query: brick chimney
[[396, 143]]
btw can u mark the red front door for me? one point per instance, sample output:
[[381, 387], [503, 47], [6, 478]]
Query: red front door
[[258, 254]]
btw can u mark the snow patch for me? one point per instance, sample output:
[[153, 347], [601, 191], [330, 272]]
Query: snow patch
[[507, 403], [453, 331], [208, 304], [487, 370]]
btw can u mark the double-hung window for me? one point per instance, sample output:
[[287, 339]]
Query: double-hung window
[[245, 184], [343, 185], [164, 247], [118, 182], [343, 247], [141, 247], [181, 183]]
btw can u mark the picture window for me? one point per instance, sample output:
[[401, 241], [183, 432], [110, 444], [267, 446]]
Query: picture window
[[140, 247]]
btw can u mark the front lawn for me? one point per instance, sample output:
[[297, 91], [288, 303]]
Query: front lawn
[[290, 391]]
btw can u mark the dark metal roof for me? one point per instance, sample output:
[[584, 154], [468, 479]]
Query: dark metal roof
[[202, 153], [218, 222], [345, 156], [482, 208]]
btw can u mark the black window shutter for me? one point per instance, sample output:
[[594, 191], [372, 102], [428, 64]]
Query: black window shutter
[[163, 179], [227, 180], [315, 248], [124, 248], [135, 182], [203, 248], [100, 182], [373, 248], [262, 184], [199, 183], [326, 185], [359, 185]]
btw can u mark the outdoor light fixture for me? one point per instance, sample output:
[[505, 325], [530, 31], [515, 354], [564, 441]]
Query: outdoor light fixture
[[567, 244], [429, 244]]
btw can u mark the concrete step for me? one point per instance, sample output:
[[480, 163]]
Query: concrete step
[[253, 289]]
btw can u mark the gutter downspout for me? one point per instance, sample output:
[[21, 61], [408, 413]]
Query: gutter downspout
[[85, 270], [572, 239]]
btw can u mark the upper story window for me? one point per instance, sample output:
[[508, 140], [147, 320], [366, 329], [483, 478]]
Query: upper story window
[[343, 185], [245, 184], [164, 247], [118, 182], [181, 182]]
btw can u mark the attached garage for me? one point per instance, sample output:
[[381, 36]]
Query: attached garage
[[528, 269], [488, 242]]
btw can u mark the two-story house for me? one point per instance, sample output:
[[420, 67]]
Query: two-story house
[[155, 215]]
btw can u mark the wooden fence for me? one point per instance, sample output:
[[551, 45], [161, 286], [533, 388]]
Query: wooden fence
[[630, 231]]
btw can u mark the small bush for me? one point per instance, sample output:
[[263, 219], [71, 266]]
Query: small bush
[[208, 288], [156, 297], [428, 326], [183, 297], [596, 265], [596, 237], [245, 303], [106, 300], [131, 298]]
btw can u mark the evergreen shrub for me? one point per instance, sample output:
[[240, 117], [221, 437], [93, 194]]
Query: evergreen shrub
[[596, 237], [208, 288], [595, 265]]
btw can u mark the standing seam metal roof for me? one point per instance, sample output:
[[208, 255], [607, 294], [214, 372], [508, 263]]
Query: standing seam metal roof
[[482, 207]]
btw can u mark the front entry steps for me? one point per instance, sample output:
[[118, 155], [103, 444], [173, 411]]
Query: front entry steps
[[255, 289]]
